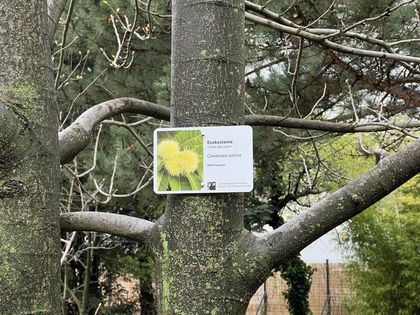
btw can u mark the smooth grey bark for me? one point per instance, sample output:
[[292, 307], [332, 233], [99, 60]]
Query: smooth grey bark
[[201, 235], [327, 126], [29, 163], [77, 136], [137, 229]]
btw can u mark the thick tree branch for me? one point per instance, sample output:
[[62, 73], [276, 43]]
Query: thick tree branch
[[55, 8], [76, 137], [342, 205], [116, 224], [301, 32]]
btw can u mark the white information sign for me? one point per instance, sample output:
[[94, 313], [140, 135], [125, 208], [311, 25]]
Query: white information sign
[[203, 160]]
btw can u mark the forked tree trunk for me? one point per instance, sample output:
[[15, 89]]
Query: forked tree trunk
[[29, 164], [201, 267]]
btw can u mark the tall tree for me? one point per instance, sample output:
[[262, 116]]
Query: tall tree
[[383, 244], [29, 163], [207, 262]]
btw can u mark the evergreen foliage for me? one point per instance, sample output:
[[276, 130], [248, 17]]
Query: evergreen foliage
[[298, 277]]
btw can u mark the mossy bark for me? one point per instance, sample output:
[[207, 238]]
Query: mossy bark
[[203, 259], [29, 163]]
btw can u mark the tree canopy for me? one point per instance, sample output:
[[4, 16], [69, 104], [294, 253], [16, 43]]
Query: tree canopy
[[301, 72]]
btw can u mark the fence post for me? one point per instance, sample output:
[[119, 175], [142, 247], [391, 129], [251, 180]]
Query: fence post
[[328, 289]]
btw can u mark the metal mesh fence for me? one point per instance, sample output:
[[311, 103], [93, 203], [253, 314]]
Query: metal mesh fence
[[326, 278]]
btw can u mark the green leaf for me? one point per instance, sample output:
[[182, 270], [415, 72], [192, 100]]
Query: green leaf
[[160, 164], [200, 168], [190, 140], [179, 183], [163, 180], [195, 181]]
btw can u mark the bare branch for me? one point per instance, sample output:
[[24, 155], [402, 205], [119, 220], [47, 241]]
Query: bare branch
[[411, 97], [116, 224], [301, 32], [374, 18], [297, 123], [132, 131], [405, 41], [55, 8], [63, 42], [269, 64], [330, 8], [141, 185], [95, 152], [75, 298], [79, 95], [329, 32], [124, 56], [77, 136], [342, 205], [67, 248]]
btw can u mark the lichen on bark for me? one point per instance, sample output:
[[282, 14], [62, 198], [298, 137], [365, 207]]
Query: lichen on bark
[[29, 174], [202, 267]]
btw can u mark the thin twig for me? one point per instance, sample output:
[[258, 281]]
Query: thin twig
[[79, 95], [63, 41], [132, 131], [95, 151]]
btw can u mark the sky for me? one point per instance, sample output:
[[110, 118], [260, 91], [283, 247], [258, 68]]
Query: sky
[[324, 248]]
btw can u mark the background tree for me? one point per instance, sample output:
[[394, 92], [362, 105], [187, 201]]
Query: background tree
[[384, 245]]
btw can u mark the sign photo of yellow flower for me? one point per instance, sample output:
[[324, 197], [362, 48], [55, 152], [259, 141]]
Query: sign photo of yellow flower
[[179, 160]]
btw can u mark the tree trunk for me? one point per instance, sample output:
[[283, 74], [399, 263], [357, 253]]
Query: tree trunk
[[29, 163], [200, 235]]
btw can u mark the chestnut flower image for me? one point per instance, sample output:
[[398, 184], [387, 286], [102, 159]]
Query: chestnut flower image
[[167, 149], [189, 161], [179, 160], [173, 166]]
